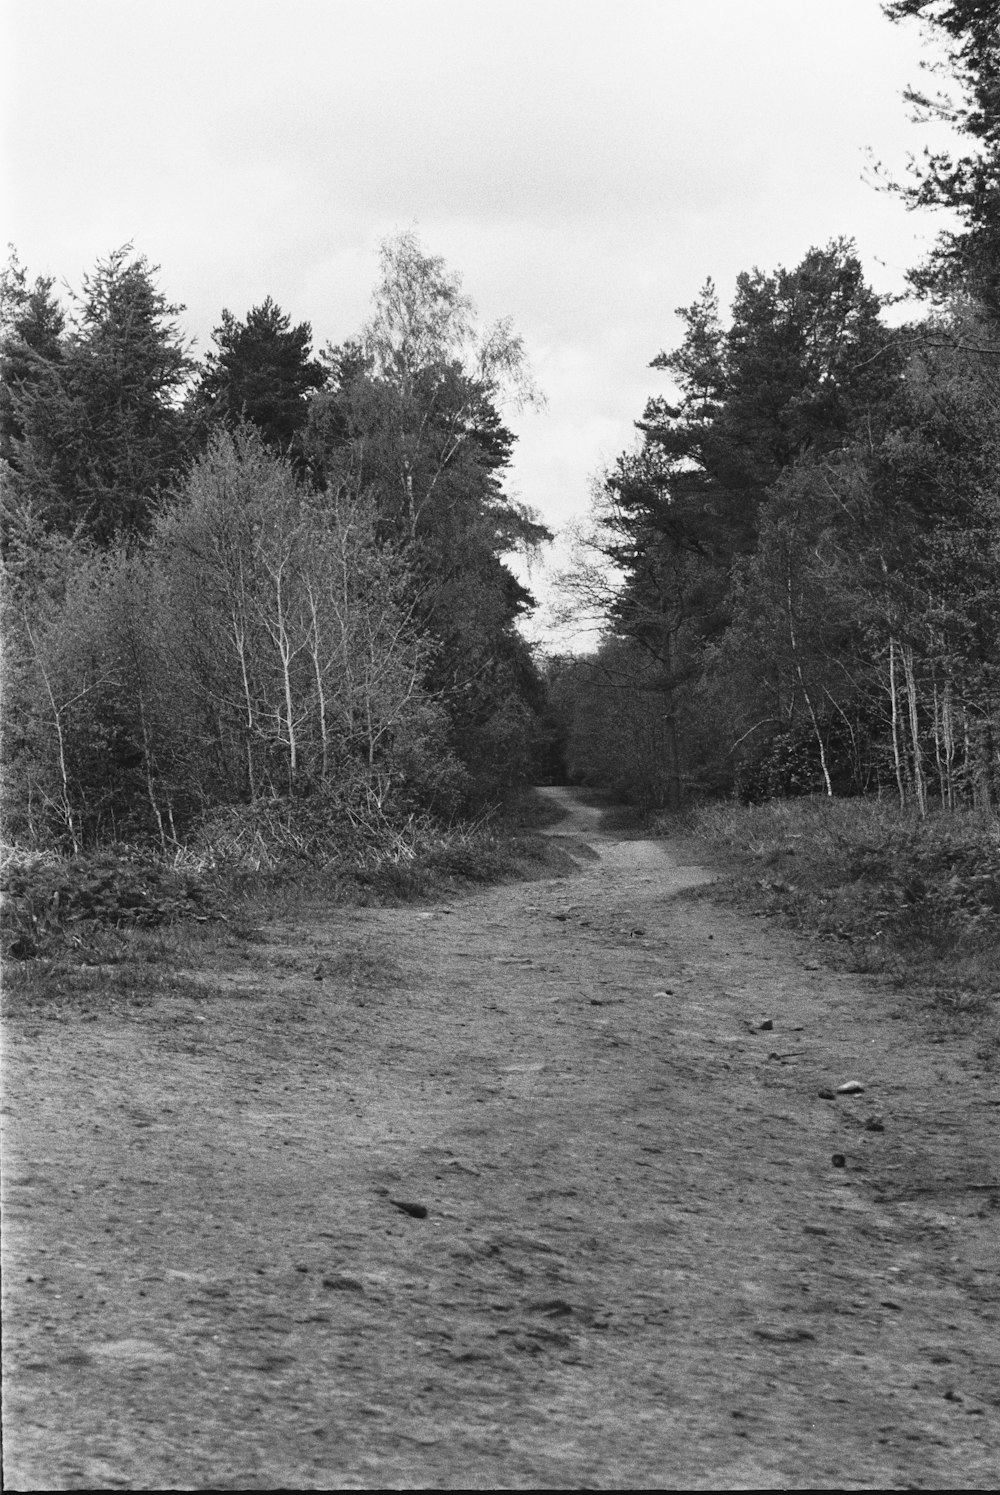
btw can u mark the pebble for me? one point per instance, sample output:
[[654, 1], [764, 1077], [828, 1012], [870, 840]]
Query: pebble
[[416, 1211], [839, 1161], [766, 1025], [850, 1087]]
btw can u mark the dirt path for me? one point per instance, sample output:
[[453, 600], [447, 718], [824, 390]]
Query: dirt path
[[639, 1266]]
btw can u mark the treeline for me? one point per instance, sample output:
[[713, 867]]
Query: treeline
[[799, 564], [270, 585]]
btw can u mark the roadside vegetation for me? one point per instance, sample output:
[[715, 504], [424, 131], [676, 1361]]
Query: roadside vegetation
[[260, 632], [796, 564], [915, 899], [796, 574], [122, 925]]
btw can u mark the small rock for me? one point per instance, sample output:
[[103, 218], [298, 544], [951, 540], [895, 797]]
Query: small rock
[[766, 1025], [415, 1211], [874, 1124], [667, 991], [812, 965], [839, 1161], [826, 1095], [341, 1284], [850, 1087], [636, 934]]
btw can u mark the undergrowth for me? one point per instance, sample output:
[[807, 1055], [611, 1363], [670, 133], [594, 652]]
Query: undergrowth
[[918, 900], [87, 921]]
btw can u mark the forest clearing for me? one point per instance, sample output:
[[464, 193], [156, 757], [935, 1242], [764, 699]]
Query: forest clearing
[[535, 1187]]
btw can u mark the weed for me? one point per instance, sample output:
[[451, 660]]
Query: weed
[[122, 925], [915, 900]]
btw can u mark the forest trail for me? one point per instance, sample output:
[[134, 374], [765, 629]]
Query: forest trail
[[639, 1266]]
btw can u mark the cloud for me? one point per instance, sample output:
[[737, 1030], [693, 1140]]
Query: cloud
[[584, 165]]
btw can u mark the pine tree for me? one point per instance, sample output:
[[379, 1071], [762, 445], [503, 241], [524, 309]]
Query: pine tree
[[968, 182], [262, 371], [95, 430]]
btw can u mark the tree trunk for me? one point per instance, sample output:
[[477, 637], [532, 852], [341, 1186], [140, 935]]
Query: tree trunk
[[909, 674], [805, 693], [896, 753]]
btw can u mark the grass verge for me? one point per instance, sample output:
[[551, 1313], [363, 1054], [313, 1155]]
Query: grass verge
[[122, 925], [915, 900]]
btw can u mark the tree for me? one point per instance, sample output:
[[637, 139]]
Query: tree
[[32, 324], [611, 730], [865, 627], [804, 360], [95, 429], [968, 183], [292, 631], [262, 372], [411, 415]]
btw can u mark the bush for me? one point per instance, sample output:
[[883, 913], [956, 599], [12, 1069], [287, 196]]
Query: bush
[[900, 891], [50, 900]]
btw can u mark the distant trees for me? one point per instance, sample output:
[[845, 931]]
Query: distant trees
[[616, 727]]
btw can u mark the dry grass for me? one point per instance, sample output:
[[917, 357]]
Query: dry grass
[[123, 926], [916, 900]]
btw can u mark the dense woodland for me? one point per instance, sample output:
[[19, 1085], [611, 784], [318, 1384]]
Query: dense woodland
[[268, 588], [265, 596], [799, 564]]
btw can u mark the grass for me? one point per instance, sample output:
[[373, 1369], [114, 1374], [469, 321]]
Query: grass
[[915, 900], [122, 926]]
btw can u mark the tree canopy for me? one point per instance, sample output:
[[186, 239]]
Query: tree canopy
[[260, 371], [283, 583], [92, 425], [964, 180]]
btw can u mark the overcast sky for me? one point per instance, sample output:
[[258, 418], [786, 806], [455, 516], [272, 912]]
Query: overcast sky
[[584, 164]]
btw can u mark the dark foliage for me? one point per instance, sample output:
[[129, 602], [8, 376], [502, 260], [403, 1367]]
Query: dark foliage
[[968, 182], [262, 372]]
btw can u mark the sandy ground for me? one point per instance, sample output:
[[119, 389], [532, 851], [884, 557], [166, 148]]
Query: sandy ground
[[629, 1258]]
